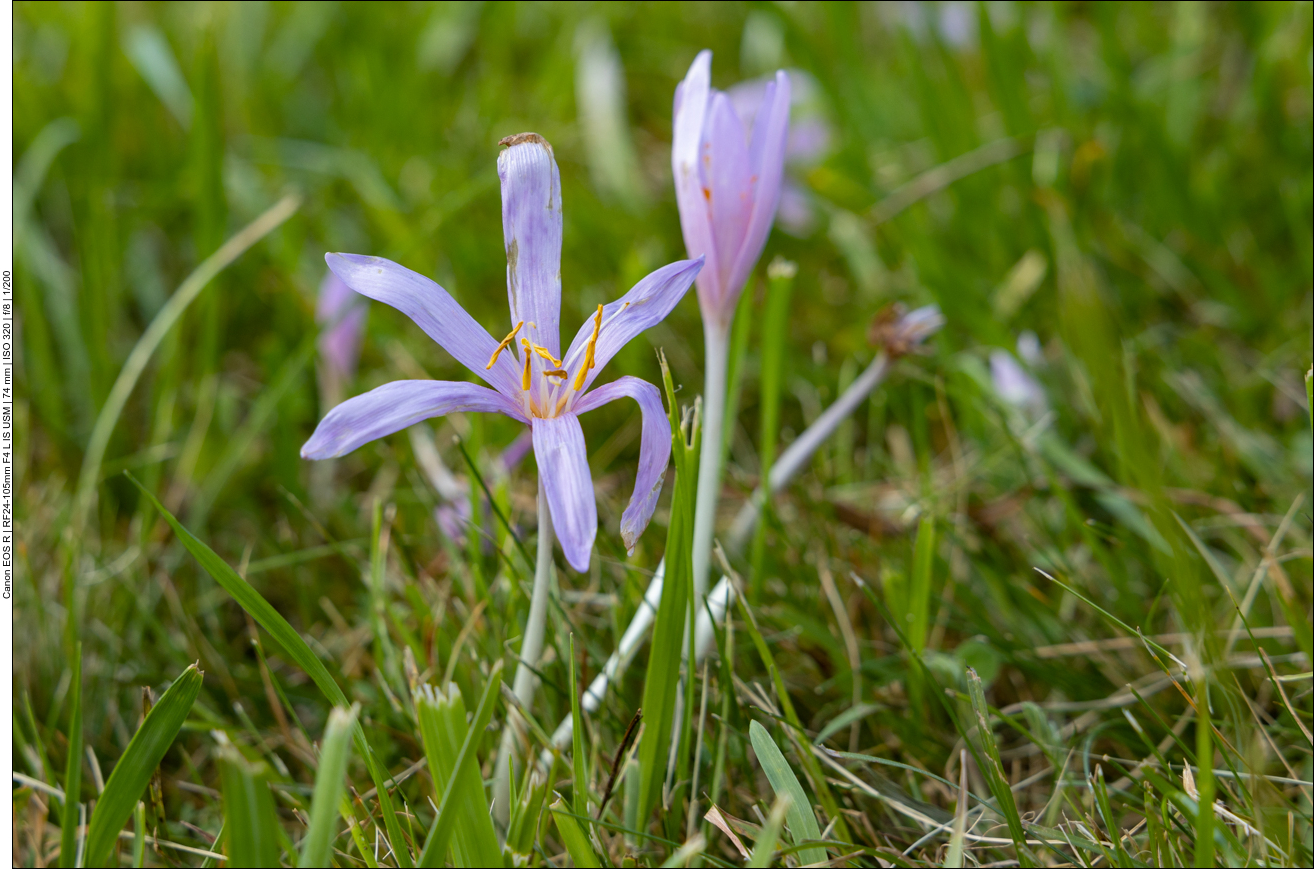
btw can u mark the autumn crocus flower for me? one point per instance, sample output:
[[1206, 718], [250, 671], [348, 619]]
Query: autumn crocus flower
[[727, 186], [531, 379]]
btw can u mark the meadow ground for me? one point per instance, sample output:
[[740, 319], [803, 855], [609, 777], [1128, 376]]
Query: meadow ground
[[1042, 596]]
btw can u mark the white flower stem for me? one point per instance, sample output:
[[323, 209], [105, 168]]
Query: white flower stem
[[530, 647], [716, 338]]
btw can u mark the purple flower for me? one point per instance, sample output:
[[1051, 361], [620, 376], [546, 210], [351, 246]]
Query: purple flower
[[531, 379], [340, 313], [727, 184]]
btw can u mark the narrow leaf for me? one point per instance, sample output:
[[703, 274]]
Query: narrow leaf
[[73, 771], [576, 842], [249, 814], [764, 849], [802, 822], [580, 786], [330, 779], [435, 846], [993, 768], [133, 771]]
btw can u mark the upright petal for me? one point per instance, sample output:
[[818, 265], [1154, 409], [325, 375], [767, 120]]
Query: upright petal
[[654, 449], [643, 307], [433, 310], [563, 471], [728, 175], [395, 406], [531, 226], [692, 98], [766, 157]]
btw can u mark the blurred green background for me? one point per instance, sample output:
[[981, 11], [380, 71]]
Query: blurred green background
[[1149, 239]]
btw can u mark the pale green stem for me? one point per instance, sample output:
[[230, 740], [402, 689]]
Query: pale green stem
[[716, 339], [530, 648]]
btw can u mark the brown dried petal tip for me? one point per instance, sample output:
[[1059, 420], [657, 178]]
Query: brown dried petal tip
[[522, 138]]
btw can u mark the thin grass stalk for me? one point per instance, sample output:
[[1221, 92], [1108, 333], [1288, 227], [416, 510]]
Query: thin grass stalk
[[530, 647]]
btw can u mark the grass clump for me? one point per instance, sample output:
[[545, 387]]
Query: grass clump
[[1044, 599]]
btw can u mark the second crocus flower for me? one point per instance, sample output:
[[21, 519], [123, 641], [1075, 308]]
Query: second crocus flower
[[727, 186]]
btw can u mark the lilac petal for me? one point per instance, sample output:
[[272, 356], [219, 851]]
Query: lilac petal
[[692, 98], [563, 472], [531, 227], [767, 160], [726, 172], [395, 406], [654, 450], [433, 310], [643, 307]]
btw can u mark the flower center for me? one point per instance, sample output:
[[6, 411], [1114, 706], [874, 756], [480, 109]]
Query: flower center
[[547, 394]]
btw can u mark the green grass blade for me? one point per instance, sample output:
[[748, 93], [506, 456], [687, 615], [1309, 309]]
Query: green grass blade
[[73, 770], [295, 648], [133, 771], [1204, 751], [1110, 820], [775, 335], [435, 846], [576, 842], [249, 814], [662, 681], [801, 821], [139, 839], [919, 592], [764, 849], [735, 364], [954, 859], [579, 763], [334, 753], [993, 769]]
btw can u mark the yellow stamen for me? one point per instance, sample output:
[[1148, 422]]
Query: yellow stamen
[[548, 356], [556, 372], [524, 378], [561, 402], [506, 342], [588, 363]]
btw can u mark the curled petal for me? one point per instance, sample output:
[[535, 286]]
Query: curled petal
[[432, 309], [654, 450], [531, 227], [563, 472], [395, 406], [766, 159], [643, 307]]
